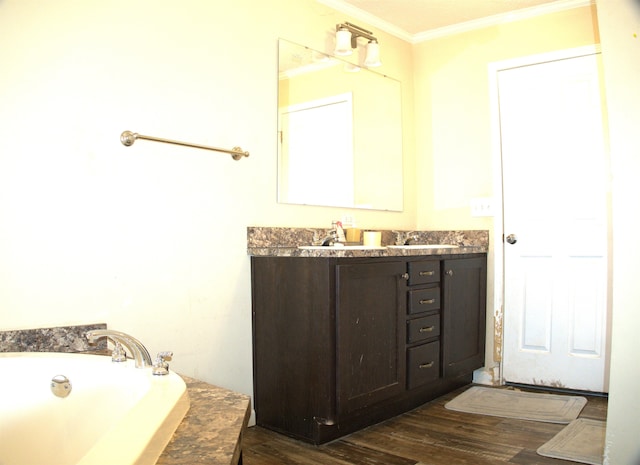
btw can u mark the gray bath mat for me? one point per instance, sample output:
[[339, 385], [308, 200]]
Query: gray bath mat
[[550, 408], [582, 441]]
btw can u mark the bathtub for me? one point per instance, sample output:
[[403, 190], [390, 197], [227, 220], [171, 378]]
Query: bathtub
[[114, 414]]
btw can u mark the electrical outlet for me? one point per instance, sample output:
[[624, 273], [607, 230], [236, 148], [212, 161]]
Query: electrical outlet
[[348, 221], [482, 206]]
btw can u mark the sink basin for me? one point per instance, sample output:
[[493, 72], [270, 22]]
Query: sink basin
[[340, 247], [423, 246]]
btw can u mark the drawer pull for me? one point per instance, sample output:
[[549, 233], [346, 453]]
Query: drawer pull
[[427, 273], [427, 301], [426, 365], [427, 329]]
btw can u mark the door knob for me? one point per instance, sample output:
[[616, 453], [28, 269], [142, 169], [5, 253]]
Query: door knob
[[512, 238]]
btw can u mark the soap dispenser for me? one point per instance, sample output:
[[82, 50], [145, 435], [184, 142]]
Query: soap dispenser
[[337, 225]]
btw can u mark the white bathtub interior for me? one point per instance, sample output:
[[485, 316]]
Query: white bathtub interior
[[115, 413]]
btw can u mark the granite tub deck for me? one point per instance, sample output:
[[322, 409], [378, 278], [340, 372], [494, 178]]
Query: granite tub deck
[[284, 242], [210, 433]]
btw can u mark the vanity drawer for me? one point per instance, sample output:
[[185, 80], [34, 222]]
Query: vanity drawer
[[423, 300], [423, 364], [424, 272], [423, 328]]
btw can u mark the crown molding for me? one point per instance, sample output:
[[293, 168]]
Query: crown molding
[[466, 26], [368, 18], [503, 18]]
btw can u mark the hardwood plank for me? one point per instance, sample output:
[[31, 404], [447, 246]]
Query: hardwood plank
[[336, 453], [427, 435], [450, 451], [529, 457]]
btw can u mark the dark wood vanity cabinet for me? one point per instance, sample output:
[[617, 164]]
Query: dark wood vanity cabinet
[[342, 343]]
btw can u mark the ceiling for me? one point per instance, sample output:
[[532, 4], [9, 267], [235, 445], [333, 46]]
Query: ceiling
[[416, 19]]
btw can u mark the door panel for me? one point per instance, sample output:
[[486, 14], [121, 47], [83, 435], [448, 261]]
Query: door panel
[[536, 305]]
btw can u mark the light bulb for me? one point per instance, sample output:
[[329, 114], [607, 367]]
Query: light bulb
[[372, 59], [343, 42]]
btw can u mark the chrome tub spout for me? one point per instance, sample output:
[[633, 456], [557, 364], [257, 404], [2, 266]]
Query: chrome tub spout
[[134, 346]]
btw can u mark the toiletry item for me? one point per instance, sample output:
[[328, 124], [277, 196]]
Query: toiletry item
[[372, 238], [353, 235], [340, 232]]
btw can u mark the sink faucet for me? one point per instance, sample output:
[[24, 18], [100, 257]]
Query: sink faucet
[[135, 347], [330, 238], [405, 237], [410, 238], [335, 234]]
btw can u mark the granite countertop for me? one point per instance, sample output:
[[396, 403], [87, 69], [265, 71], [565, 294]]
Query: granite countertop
[[341, 252], [211, 431], [285, 242]]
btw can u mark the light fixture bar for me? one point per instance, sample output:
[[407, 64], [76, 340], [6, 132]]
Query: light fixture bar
[[356, 31], [347, 34]]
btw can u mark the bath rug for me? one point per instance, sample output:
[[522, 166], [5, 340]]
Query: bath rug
[[550, 408], [582, 441]]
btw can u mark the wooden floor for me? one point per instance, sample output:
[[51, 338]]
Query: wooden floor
[[428, 435]]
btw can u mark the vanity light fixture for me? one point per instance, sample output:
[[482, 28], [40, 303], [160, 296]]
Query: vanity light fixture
[[347, 39]]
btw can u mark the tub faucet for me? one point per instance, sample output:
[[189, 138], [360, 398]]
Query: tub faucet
[[134, 346]]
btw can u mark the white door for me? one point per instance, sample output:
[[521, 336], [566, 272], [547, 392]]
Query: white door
[[315, 153], [555, 224]]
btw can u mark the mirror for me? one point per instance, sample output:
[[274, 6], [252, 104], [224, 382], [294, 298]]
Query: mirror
[[339, 132]]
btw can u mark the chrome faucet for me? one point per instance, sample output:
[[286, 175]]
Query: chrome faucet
[[330, 238], [405, 237], [134, 346], [335, 234]]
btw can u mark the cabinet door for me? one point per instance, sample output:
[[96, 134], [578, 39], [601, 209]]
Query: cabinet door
[[370, 333], [464, 284], [293, 343]]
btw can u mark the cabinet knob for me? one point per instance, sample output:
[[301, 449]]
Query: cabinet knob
[[427, 301], [405, 276], [449, 272], [427, 273], [426, 365], [427, 329]]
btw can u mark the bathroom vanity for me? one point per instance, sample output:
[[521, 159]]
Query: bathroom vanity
[[342, 342]]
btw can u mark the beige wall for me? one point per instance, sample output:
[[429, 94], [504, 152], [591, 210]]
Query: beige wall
[[619, 22], [456, 160], [453, 120], [151, 239]]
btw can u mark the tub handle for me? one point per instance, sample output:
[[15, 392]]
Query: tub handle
[[118, 355], [161, 367]]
